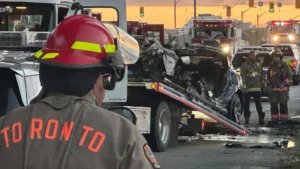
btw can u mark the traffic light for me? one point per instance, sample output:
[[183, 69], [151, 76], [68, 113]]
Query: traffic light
[[297, 4], [228, 11], [271, 7], [141, 11], [251, 3]]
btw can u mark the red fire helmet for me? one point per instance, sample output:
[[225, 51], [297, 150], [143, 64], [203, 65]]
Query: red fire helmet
[[80, 41]]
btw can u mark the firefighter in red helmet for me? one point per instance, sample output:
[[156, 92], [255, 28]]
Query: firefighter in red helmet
[[64, 126]]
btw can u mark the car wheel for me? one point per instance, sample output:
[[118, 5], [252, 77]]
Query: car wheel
[[235, 109]]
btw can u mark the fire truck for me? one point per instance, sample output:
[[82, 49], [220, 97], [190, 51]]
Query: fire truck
[[217, 32], [282, 32], [140, 28], [150, 30]]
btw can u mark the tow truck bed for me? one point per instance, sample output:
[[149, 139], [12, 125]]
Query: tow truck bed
[[202, 106]]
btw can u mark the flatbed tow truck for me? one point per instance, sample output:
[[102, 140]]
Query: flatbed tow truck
[[166, 98]]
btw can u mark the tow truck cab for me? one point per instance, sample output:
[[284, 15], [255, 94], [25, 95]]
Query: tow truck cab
[[24, 28]]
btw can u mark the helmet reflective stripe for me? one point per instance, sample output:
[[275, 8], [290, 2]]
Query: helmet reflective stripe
[[86, 46], [38, 54], [93, 47], [110, 48], [50, 55]]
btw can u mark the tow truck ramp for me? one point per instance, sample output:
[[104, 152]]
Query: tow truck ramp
[[195, 105]]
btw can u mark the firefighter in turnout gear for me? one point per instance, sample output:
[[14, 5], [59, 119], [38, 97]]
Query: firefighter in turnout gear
[[64, 126], [278, 80], [253, 81]]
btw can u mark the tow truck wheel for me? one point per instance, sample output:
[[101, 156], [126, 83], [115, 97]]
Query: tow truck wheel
[[160, 128], [235, 109]]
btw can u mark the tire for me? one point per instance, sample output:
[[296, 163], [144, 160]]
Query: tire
[[235, 109], [159, 137], [296, 80]]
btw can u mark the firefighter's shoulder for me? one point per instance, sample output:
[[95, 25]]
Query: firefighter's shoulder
[[244, 66]]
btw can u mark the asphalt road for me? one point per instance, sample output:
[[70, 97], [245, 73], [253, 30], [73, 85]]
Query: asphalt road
[[213, 154]]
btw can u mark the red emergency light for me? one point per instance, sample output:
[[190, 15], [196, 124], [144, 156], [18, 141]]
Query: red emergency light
[[295, 63], [282, 23]]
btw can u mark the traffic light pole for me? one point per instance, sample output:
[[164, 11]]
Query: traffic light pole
[[257, 18], [230, 8], [295, 17], [242, 15], [195, 9]]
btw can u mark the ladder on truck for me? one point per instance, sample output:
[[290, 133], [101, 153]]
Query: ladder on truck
[[200, 106]]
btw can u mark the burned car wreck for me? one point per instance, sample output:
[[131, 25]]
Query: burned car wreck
[[202, 72]]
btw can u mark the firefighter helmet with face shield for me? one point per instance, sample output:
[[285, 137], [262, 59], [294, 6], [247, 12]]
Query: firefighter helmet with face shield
[[81, 42]]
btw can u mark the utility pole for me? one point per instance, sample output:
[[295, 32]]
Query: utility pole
[[257, 18], [242, 15], [175, 3], [195, 9]]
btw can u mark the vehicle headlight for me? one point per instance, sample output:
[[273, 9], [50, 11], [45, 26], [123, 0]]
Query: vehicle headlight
[[226, 48], [291, 37], [275, 38]]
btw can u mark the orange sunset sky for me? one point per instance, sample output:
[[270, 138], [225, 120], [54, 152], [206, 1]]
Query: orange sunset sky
[[165, 15]]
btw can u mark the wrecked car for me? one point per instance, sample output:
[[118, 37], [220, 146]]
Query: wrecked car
[[202, 72]]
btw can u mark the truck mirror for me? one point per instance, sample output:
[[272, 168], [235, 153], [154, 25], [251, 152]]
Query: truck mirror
[[125, 112]]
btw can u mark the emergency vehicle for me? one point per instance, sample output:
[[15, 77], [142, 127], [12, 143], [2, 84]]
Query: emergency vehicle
[[158, 120], [140, 28], [217, 32], [281, 32], [291, 55], [263, 57], [149, 30]]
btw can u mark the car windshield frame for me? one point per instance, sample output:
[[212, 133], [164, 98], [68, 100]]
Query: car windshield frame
[[213, 31], [286, 53], [26, 16], [264, 58]]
